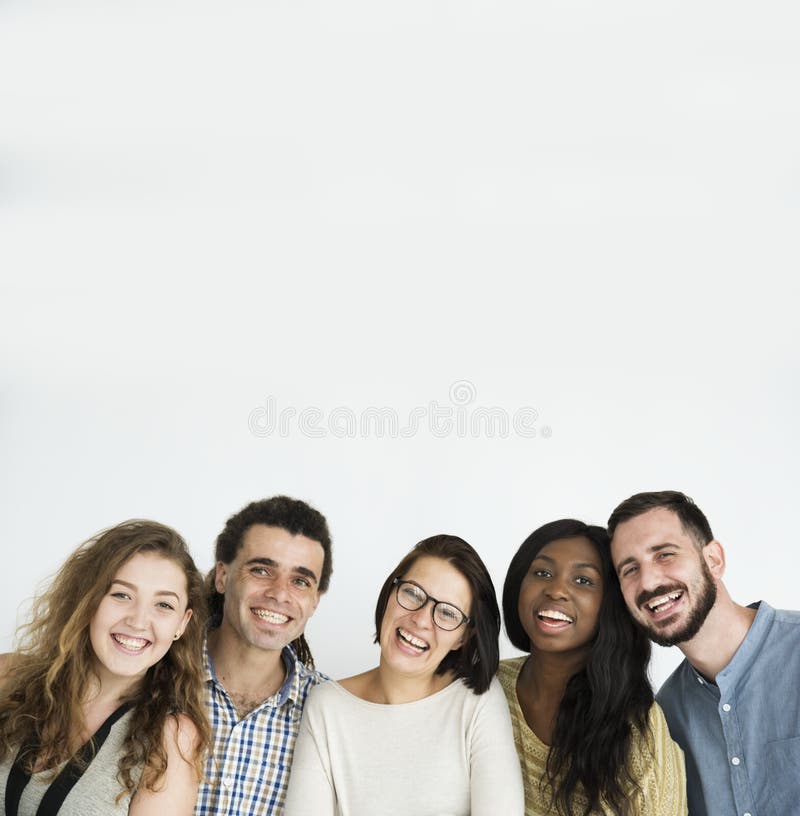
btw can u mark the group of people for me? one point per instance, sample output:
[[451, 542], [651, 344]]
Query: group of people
[[139, 687]]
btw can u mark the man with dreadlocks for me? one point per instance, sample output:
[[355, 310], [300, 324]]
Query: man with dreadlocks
[[273, 562]]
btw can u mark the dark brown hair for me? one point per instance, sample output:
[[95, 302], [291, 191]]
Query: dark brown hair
[[692, 518], [292, 515], [477, 659]]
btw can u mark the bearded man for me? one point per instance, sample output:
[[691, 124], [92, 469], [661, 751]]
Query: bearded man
[[733, 704]]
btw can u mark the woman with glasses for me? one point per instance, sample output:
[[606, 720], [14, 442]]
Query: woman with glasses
[[427, 731], [589, 736]]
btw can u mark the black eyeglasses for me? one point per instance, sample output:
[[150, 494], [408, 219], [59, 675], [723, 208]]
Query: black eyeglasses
[[411, 596]]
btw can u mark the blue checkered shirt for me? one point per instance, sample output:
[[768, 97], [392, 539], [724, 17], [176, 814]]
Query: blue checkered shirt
[[248, 768]]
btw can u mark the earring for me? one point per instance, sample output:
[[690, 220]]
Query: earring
[[177, 635]]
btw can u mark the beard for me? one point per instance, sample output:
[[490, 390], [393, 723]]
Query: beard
[[705, 595]]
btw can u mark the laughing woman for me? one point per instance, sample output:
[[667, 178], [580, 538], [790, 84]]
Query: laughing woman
[[100, 709], [427, 731], [590, 738]]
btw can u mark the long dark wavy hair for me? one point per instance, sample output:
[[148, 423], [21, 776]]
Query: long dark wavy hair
[[47, 678], [606, 702]]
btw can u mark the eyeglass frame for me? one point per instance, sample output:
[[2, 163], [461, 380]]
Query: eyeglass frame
[[398, 581]]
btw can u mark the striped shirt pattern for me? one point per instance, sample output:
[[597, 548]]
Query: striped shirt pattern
[[247, 771]]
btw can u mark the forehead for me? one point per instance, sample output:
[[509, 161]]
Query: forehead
[[442, 580], [650, 529], [282, 547], [572, 550], [153, 572]]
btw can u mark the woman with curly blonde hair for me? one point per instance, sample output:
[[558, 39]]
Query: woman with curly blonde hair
[[100, 707]]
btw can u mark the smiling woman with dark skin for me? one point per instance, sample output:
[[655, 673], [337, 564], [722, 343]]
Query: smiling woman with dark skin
[[589, 736]]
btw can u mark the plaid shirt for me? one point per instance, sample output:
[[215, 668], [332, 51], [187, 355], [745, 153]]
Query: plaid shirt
[[248, 769]]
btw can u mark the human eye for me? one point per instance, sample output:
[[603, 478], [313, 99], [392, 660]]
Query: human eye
[[665, 556], [165, 605], [583, 580], [259, 571], [627, 572], [448, 614], [412, 593], [541, 573], [302, 583], [120, 595]]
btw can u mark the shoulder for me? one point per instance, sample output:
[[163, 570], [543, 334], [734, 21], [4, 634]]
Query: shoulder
[[492, 704], [508, 672], [325, 696], [654, 748], [307, 677], [180, 736], [359, 684], [674, 686], [657, 722], [788, 617]]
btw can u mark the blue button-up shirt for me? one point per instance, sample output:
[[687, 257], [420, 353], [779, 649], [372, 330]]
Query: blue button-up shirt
[[247, 771], [741, 737]]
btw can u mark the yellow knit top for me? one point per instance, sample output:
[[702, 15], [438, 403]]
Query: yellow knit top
[[662, 776]]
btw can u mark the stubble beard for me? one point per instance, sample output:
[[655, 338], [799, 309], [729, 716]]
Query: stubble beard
[[705, 598]]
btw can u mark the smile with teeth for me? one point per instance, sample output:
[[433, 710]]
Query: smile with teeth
[[269, 616], [132, 644], [415, 642], [664, 602], [554, 615]]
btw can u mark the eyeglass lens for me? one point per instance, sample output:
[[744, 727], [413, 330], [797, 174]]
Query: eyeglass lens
[[445, 615]]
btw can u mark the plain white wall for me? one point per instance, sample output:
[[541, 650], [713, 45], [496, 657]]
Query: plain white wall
[[208, 209]]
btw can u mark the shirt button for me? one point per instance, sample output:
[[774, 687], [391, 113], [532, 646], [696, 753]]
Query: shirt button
[[735, 761], [726, 707], [228, 782], [700, 680], [747, 814]]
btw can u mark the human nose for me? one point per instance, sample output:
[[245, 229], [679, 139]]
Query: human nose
[[137, 615], [648, 576], [557, 588], [278, 587], [423, 617]]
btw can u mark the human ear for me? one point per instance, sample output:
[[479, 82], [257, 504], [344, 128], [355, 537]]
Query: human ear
[[221, 577], [714, 557], [184, 623]]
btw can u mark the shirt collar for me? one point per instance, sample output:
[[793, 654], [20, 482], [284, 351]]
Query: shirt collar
[[748, 649], [290, 690], [751, 645]]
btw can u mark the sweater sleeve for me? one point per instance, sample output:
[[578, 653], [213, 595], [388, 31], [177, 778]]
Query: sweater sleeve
[[495, 776], [663, 786], [311, 791]]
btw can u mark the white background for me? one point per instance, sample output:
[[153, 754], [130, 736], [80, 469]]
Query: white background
[[588, 209]]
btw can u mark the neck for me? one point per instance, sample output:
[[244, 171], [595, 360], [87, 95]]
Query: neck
[[721, 634], [546, 674], [540, 688], [243, 668], [389, 687], [109, 690]]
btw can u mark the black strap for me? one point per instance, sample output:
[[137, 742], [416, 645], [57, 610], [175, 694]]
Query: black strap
[[69, 776], [17, 780]]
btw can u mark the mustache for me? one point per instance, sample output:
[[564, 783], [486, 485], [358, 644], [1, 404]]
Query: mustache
[[648, 594]]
